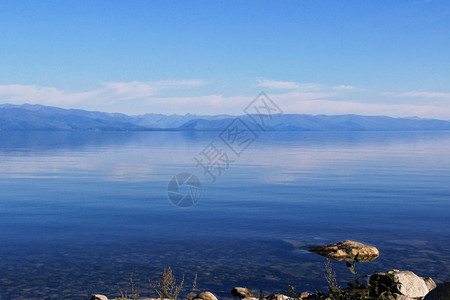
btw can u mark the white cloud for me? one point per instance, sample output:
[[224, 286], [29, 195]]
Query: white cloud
[[18, 94], [292, 102], [274, 84], [128, 90], [109, 93], [291, 85], [332, 102], [344, 87], [369, 109], [138, 97], [422, 94]]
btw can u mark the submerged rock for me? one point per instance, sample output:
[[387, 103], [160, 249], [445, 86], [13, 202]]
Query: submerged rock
[[241, 292], [441, 292], [347, 250]]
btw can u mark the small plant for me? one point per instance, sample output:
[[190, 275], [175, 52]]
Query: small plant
[[383, 286], [261, 295], [379, 287], [352, 267], [134, 292], [330, 276], [168, 288], [290, 290], [194, 286]]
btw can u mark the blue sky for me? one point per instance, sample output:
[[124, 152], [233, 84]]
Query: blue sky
[[213, 57]]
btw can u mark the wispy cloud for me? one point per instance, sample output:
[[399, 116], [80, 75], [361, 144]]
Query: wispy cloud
[[290, 85], [137, 97], [274, 84], [344, 87], [421, 94], [109, 93], [332, 107], [139, 89], [301, 102], [18, 94]]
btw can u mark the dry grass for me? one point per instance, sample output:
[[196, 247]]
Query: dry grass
[[134, 294], [330, 276], [168, 288], [165, 288]]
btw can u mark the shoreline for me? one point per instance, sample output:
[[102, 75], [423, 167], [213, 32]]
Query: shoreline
[[411, 287], [393, 284]]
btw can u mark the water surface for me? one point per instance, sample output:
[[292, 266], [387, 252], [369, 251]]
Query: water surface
[[80, 212]]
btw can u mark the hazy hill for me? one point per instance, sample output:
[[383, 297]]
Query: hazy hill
[[38, 117], [292, 122]]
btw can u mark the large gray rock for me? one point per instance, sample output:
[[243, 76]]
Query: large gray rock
[[410, 284], [241, 292], [347, 250], [205, 296], [98, 297], [441, 292]]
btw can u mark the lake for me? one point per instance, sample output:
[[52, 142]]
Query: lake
[[82, 211]]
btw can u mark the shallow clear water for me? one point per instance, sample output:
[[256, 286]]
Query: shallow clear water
[[80, 212]]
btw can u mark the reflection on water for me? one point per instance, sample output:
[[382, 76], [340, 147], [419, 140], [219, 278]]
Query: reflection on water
[[80, 211]]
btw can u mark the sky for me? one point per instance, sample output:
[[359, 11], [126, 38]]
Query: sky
[[214, 57]]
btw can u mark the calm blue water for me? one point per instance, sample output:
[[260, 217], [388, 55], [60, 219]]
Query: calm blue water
[[80, 212]]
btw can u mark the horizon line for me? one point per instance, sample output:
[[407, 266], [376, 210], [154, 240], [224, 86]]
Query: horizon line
[[212, 115]]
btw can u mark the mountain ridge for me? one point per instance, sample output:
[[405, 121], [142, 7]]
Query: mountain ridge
[[28, 117]]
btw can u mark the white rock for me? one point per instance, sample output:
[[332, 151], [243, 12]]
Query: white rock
[[429, 283], [98, 297], [278, 297], [410, 285], [304, 295], [241, 292], [206, 296]]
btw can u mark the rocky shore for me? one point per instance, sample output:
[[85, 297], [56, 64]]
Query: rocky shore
[[393, 284], [411, 287]]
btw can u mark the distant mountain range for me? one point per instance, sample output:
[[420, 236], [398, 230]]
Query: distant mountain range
[[38, 117]]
